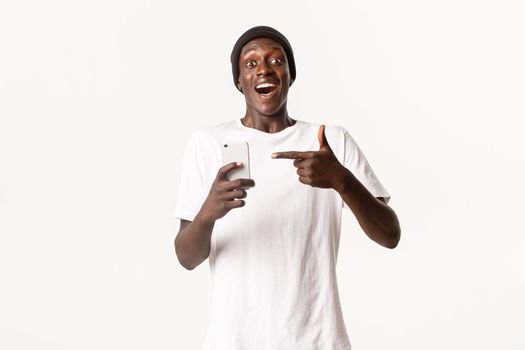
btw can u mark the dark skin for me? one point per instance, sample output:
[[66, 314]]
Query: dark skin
[[263, 60]]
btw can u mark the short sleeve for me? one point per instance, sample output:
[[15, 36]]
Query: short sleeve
[[356, 162], [191, 191]]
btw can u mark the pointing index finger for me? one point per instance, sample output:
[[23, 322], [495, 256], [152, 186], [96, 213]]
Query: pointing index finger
[[292, 155]]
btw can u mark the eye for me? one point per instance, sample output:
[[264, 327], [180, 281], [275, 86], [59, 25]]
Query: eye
[[250, 64], [275, 60]]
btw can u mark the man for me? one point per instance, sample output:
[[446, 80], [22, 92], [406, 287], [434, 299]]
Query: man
[[273, 253]]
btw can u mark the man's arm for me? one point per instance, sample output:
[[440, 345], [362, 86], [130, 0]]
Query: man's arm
[[375, 217], [323, 169], [193, 242]]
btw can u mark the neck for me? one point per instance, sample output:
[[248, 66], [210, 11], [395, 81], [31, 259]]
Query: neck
[[267, 123]]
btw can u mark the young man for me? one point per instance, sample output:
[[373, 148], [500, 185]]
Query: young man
[[273, 252]]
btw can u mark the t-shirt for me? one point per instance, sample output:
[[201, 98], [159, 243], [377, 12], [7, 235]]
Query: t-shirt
[[273, 261]]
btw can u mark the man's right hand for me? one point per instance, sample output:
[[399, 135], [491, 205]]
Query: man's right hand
[[225, 195]]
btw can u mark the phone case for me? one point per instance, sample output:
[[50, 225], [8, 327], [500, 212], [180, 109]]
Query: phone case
[[236, 151]]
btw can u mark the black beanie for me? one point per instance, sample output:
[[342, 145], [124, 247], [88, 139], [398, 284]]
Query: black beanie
[[260, 32]]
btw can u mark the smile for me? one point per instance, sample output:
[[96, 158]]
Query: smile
[[266, 89]]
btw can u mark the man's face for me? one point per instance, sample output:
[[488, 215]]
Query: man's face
[[264, 76]]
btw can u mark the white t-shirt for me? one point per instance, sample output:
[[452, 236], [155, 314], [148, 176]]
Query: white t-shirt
[[273, 261]]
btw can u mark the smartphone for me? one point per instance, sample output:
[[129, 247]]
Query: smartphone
[[236, 151]]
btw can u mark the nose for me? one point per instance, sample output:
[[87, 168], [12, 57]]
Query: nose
[[264, 68]]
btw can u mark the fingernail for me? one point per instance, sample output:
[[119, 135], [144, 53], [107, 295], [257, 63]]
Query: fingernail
[[274, 155], [238, 163]]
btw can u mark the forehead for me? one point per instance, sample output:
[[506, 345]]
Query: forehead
[[261, 44]]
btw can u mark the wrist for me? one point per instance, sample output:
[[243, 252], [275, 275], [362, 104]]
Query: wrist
[[203, 218], [342, 180]]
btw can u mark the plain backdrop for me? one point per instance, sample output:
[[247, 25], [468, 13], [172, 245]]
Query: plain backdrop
[[97, 99]]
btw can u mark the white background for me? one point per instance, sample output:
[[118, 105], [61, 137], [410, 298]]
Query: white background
[[97, 100]]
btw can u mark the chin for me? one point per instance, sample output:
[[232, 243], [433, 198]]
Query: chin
[[269, 109], [268, 112]]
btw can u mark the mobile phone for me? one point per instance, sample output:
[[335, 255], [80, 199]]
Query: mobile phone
[[236, 151]]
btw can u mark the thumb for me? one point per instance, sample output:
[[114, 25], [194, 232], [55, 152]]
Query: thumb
[[323, 142]]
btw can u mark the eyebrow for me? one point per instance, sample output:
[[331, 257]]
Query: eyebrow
[[253, 49]]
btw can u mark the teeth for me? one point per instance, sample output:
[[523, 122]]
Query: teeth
[[265, 85]]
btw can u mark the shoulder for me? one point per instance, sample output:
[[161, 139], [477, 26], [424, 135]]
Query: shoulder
[[334, 129], [335, 133], [339, 129]]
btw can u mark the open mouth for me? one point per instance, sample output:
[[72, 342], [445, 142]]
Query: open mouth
[[265, 88]]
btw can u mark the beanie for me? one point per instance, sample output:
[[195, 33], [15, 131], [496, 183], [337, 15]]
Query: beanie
[[260, 32]]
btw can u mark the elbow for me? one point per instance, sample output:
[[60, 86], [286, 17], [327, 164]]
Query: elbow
[[185, 265], [181, 261], [189, 268], [391, 245], [395, 235]]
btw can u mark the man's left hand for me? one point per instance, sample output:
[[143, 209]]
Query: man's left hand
[[317, 168]]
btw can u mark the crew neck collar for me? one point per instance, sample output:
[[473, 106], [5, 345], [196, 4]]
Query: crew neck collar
[[286, 130]]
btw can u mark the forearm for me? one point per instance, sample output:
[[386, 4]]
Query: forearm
[[192, 244], [376, 218]]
